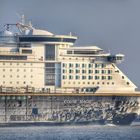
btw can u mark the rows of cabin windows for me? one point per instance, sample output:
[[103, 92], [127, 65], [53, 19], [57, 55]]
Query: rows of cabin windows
[[16, 82], [96, 65], [87, 71], [87, 77], [93, 83], [17, 70], [17, 64], [18, 76]]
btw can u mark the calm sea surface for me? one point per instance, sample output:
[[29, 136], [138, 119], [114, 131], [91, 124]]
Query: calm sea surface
[[89, 132]]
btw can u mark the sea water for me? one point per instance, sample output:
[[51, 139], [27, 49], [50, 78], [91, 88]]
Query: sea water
[[88, 132]]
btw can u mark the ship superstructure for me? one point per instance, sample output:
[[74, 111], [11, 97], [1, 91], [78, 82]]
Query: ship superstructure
[[36, 64]]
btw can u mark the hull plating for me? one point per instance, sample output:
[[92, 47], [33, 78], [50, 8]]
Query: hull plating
[[68, 109]]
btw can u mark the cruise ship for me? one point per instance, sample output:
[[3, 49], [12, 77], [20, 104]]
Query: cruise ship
[[46, 79]]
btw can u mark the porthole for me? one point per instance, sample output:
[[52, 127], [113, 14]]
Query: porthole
[[127, 83]]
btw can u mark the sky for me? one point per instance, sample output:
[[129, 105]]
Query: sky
[[113, 25]]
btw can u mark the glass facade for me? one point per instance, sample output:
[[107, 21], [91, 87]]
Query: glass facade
[[50, 52], [13, 57], [46, 39], [50, 74]]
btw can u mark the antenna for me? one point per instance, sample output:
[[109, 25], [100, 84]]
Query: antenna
[[23, 19], [70, 34]]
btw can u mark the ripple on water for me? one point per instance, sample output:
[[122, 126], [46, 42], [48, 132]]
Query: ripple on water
[[89, 132]]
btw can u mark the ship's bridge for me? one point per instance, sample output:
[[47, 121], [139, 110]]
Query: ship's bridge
[[85, 51], [57, 39]]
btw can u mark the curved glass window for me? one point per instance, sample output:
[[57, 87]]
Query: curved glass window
[[45, 39]]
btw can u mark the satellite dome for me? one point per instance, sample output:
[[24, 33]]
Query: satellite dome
[[7, 33]]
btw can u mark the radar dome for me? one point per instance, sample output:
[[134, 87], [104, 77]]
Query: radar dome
[[7, 33]]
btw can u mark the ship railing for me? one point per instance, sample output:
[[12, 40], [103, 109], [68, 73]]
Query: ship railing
[[27, 89], [8, 39], [8, 52]]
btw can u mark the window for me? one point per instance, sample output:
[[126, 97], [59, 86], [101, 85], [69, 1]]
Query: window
[[83, 65], [12, 58], [10, 63], [103, 71], [64, 71], [90, 71], [70, 77], [31, 76], [96, 65], [127, 83], [24, 76], [85, 52], [10, 69], [97, 77], [109, 71], [17, 70], [77, 71], [64, 65], [24, 82], [70, 71], [10, 76], [49, 52], [109, 77], [77, 77], [17, 76], [3, 69], [83, 71], [17, 82], [24, 70], [69, 52], [50, 74], [70, 65], [27, 51], [90, 77], [103, 65], [90, 65], [3, 76], [83, 77], [97, 71], [64, 77], [103, 77], [77, 65]]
